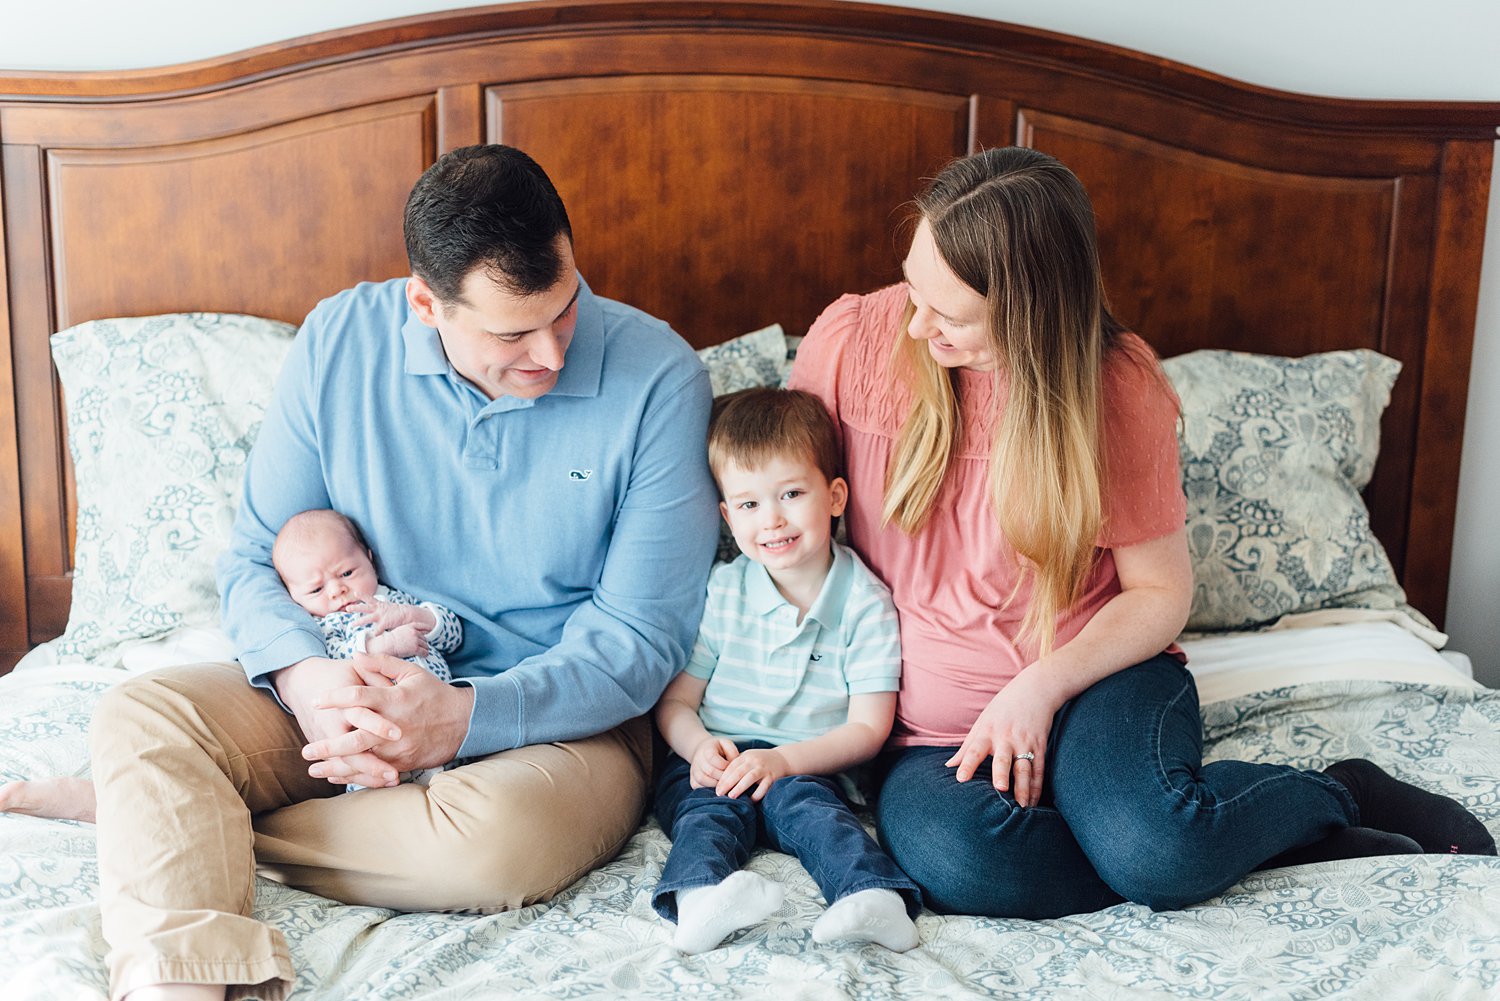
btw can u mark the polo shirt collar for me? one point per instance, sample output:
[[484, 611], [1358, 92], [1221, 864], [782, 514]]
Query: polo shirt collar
[[828, 608], [583, 364], [424, 349]]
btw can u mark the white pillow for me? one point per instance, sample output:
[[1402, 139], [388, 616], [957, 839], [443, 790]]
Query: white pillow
[[161, 414]]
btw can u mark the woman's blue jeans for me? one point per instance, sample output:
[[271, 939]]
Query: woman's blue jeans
[[802, 815], [1129, 811]]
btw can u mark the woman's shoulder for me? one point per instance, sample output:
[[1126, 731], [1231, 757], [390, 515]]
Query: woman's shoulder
[[845, 358], [1134, 378], [853, 320]]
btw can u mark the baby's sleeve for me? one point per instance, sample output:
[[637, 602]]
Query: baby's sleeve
[[340, 636], [449, 631]]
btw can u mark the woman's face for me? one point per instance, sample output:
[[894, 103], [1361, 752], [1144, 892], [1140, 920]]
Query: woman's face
[[950, 316]]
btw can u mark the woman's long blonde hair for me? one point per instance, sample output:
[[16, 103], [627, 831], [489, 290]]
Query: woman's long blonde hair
[[1016, 226]]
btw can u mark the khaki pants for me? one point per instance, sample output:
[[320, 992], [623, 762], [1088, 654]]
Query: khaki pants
[[200, 778]]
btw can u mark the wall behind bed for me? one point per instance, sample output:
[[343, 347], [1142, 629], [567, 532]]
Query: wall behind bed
[[1383, 49]]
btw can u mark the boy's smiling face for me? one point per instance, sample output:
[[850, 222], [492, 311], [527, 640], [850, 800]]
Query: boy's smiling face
[[781, 511]]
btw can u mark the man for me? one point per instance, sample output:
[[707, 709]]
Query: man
[[515, 448]]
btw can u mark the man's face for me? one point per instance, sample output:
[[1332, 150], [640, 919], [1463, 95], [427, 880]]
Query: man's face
[[505, 344]]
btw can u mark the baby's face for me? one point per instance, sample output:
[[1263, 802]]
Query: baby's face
[[328, 573]]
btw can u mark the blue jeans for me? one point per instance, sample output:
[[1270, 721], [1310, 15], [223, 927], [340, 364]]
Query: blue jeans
[[1129, 811], [802, 815]]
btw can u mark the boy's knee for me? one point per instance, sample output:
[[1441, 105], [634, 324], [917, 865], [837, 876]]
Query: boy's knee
[[800, 788]]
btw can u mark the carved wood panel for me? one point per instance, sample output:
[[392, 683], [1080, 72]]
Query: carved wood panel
[[805, 181], [206, 225]]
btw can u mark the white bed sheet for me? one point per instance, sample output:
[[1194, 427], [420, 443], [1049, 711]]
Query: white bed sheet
[[1231, 665]]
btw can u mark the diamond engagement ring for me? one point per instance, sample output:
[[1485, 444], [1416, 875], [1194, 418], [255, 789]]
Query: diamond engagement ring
[[1026, 756]]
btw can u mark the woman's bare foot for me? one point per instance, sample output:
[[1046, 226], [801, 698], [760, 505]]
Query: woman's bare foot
[[62, 798]]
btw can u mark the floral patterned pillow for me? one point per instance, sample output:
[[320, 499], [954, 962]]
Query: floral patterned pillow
[[758, 358], [1274, 454], [161, 413]]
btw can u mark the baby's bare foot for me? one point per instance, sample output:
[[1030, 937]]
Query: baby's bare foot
[[62, 798]]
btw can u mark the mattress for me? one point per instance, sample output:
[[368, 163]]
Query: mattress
[[1384, 928]]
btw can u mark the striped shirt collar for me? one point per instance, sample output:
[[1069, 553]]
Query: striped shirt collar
[[762, 597]]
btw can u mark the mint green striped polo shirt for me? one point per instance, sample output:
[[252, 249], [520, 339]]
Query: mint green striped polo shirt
[[772, 678]]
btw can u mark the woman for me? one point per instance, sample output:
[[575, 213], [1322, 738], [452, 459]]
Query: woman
[[1012, 460]]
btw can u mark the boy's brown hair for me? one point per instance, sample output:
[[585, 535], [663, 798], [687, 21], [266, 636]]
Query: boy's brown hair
[[754, 426]]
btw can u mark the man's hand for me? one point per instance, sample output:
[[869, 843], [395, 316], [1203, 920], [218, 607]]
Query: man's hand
[[409, 640], [387, 616], [758, 769], [301, 685], [432, 718], [709, 759]]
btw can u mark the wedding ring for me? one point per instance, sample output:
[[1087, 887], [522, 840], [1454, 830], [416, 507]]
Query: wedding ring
[[1026, 756]]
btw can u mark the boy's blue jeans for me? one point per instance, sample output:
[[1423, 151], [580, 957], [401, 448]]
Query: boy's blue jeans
[[802, 815], [1128, 811]]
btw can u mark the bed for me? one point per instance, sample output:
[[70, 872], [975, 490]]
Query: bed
[[1308, 266]]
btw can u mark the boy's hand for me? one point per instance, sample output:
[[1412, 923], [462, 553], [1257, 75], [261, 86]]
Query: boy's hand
[[409, 640], [709, 759], [758, 768], [387, 616]]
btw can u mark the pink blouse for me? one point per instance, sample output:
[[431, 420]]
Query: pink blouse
[[959, 643]]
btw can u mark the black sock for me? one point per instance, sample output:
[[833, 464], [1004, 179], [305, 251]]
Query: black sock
[[1349, 842], [1440, 825]]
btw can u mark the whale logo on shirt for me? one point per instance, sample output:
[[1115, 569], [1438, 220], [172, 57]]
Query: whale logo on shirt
[[580, 474]]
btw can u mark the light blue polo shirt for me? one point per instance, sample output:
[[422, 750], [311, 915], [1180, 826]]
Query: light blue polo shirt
[[772, 678], [572, 533]]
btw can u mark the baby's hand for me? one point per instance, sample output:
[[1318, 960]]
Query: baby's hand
[[409, 640], [709, 759], [756, 769], [386, 616]]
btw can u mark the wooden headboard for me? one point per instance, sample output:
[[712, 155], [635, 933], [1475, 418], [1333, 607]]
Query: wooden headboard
[[727, 165]]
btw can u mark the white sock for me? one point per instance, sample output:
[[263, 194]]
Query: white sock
[[875, 915], [707, 915]]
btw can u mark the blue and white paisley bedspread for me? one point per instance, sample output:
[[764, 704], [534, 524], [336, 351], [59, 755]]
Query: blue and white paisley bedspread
[[1420, 927]]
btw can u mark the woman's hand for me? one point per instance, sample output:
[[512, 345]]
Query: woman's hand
[[1017, 721], [758, 768], [710, 758]]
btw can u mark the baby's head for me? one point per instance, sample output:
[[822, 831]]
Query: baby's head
[[323, 561], [775, 456]]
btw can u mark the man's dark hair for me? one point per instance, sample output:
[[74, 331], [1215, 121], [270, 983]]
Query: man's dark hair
[[485, 206]]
